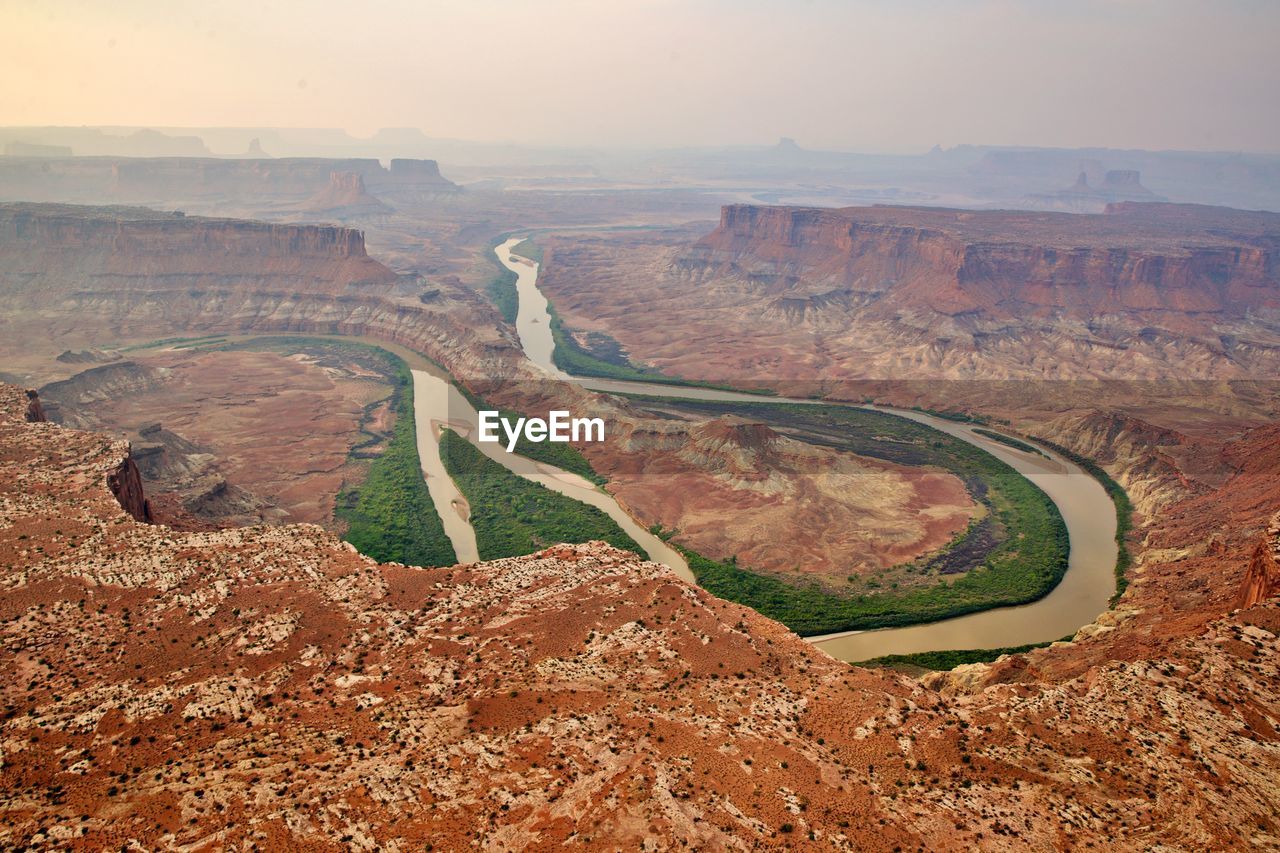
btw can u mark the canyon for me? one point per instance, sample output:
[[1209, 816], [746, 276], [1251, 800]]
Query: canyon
[[76, 279], [236, 437], [73, 274], [629, 683]]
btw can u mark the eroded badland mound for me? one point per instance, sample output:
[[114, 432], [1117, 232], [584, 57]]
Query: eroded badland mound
[[734, 488], [271, 686]]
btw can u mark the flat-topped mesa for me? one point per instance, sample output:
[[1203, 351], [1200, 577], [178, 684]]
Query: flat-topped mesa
[[164, 180], [1165, 261], [140, 243], [403, 169]]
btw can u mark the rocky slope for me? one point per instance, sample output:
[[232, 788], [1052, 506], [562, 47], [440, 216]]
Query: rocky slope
[[775, 293], [269, 686], [235, 437]]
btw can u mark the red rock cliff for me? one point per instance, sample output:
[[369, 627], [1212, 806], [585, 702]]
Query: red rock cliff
[[126, 484], [1262, 580], [1177, 264]]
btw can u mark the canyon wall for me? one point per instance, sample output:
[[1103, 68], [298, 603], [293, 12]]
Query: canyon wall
[[78, 276], [773, 294], [1141, 260]]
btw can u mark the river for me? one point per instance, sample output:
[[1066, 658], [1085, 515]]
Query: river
[[1086, 509]]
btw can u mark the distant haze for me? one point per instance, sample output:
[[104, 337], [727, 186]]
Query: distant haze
[[889, 75]]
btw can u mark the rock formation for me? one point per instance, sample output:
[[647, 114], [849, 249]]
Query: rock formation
[[345, 196], [1092, 194], [1262, 580], [204, 180], [71, 276], [1142, 291]]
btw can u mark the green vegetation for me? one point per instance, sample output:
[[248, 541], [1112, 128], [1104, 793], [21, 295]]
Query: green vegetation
[[949, 659], [391, 516], [502, 287], [1124, 511], [1010, 441], [182, 343], [528, 249], [1018, 561], [513, 516], [958, 417]]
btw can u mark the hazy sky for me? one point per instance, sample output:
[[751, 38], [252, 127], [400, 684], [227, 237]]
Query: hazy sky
[[890, 75]]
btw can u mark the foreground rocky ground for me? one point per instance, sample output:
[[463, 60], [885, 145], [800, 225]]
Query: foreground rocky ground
[[270, 687]]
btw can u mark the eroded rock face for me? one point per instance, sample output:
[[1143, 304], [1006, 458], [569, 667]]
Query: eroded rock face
[[780, 293], [270, 686], [82, 274], [1262, 580], [344, 196]]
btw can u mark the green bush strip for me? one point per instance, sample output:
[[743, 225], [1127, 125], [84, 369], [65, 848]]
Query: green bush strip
[[528, 249], [950, 658], [512, 516], [1010, 441], [502, 287]]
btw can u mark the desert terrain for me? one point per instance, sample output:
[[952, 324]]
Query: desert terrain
[[236, 437], [271, 686], [323, 699]]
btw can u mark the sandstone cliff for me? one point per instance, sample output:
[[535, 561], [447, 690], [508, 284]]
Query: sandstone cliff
[[1262, 580], [126, 484], [777, 293], [1145, 259]]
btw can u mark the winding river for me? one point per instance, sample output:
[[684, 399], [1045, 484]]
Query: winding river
[[1086, 509]]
